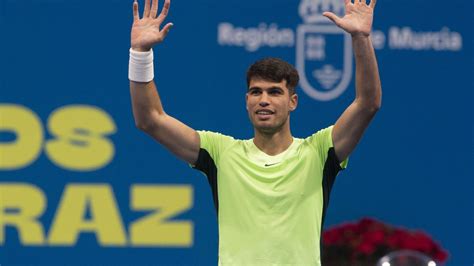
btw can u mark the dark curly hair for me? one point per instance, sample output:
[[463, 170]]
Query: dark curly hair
[[276, 70]]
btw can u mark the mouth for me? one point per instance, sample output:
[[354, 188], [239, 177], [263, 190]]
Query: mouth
[[264, 113]]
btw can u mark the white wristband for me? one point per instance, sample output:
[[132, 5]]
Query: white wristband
[[140, 66]]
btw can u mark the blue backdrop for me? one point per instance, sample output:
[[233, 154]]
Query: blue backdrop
[[84, 181]]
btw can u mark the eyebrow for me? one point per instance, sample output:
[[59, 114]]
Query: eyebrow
[[269, 88]]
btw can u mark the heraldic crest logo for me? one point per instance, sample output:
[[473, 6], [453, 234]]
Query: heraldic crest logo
[[323, 51]]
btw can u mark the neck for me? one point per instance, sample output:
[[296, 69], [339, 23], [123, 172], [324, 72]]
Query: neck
[[273, 143]]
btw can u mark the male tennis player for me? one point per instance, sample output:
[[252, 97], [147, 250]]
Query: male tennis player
[[270, 192]]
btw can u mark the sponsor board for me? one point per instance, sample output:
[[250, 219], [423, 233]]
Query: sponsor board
[[326, 73]]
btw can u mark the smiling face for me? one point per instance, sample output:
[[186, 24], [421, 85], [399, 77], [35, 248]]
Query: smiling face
[[269, 105]]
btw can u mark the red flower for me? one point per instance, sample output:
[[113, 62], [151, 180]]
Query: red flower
[[395, 239], [369, 239], [365, 224], [365, 248], [369, 224], [332, 237], [374, 237], [423, 242], [440, 255]]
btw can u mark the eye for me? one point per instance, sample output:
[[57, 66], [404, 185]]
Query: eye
[[275, 92], [254, 92]]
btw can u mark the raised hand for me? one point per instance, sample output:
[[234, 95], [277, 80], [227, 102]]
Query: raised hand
[[146, 31], [358, 18]]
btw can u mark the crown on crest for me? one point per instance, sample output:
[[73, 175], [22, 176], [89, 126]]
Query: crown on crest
[[311, 11]]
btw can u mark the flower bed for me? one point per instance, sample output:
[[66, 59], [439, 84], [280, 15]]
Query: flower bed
[[365, 242]]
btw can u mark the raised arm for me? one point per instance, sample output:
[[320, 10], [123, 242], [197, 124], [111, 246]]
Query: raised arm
[[148, 112], [351, 125]]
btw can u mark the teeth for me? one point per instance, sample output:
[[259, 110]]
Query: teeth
[[264, 113]]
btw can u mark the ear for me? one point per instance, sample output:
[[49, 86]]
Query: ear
[[246, 101], [293, 102]]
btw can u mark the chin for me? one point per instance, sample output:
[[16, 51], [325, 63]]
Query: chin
[[266, 129]]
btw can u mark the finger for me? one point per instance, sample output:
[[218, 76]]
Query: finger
[[165, 10], [146, 10], [332, 16], [346, 2], [166, 29], [372, 3], [135, 11], [154, 8]]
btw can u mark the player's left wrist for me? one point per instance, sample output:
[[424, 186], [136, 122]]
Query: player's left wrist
[[360, 35]]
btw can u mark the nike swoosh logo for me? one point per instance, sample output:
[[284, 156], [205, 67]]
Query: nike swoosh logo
[[270, 164]]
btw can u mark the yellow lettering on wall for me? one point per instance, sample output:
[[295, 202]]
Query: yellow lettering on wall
[[105, 220], [80, 142], [155, 229], [20, 207], [29, 136]]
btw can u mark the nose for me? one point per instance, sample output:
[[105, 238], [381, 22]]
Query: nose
[[264, 100]]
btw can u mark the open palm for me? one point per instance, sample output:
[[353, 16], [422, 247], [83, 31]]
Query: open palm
[[358, 18], [146, 31]]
